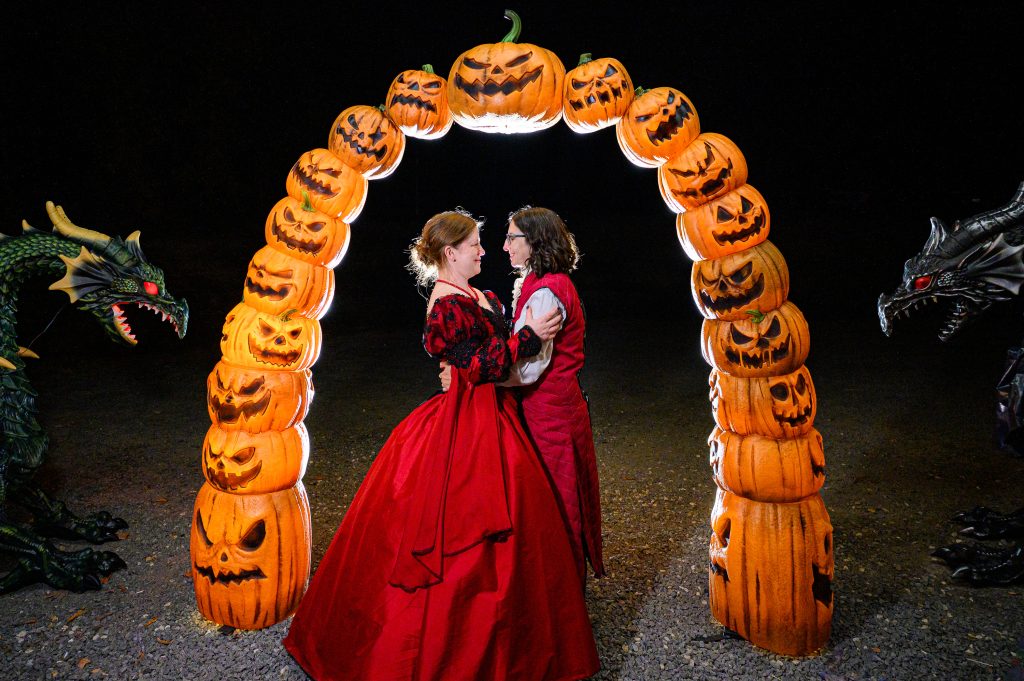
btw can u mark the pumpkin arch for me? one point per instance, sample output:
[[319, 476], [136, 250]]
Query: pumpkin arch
[[768, 468]]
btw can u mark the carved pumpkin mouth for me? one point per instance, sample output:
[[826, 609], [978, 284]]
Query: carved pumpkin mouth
[[668, 128], [800, 418], [489, 88], [353, 142], [232, 481], [273, 357], [413, 101], [229, 577], [729, 238], [229, 412], [308, 181], [822, 586], [122, 326], [757, 360], [726, 303], [306, 246], [268, 292]]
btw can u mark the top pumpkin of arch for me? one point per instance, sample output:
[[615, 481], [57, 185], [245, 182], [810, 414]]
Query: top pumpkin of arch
[[506, 87], [596, 94]]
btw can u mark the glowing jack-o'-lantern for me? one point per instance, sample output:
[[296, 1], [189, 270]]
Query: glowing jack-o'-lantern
[[766, 469], [596, 94], [333, 188], [417, 102], [366, 139], [766, 344], [255, 400], [775, 406], [506, 87], [276, 283], [658, 125], [250, 555], [260, 340], [771, 571], [731, 286], [296, 228], [730, 224], [255, 463], [710, 167]]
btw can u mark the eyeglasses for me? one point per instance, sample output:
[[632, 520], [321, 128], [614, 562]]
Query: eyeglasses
[[510, 237]]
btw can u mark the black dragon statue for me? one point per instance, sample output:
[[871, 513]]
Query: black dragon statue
[[103, 276], [971, 266]]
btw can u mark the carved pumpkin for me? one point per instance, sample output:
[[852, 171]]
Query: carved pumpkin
[[775, 406], [596, 94], [250, 555], [260, 340], [765, 469], [658, 125], [771, 572], [296, 228], [731, 286], [768, 344], [367, 141], [276, 283], [255, 463], [333, 188], [506, 87], [418, 103], [710, 167], [255, 400], [730, 224]]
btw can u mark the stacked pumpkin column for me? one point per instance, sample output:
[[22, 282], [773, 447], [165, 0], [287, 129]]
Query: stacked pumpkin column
[[771, 564]]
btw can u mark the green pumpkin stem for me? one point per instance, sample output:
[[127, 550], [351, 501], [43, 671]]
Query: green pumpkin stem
[[637, 91], [286, 317], [517, 26], [428, 68], [585, 57], [756, 315], [307, 205]]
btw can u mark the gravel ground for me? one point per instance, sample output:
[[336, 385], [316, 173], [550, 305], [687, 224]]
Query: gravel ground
[[906, 449]]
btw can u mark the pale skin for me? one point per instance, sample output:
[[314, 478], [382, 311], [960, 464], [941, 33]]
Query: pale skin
[[461, 262]]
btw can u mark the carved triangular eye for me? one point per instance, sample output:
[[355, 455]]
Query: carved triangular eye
[[520, 60], [742, 274], [401, 77], [745, 204], [801, 385], [740, 338], [266, 329], [610, 71], [353, 122], [432, 85], [723, 215], [709, 156], [774, 329], [414, 86], [780, 391], [671, 97], [244, 455], [253, 539], [580, 84], [201, 529], [288, 214], [473, 64]]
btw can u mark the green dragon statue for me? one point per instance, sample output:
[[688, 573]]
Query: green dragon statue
[[102, 275]]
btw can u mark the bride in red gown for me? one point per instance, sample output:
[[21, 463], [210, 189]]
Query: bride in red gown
[[452, 562]]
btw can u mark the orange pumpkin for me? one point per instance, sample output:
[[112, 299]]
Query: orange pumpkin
[[250, 555], [506, 87], [418, 103], [332, 187], [260, 340], [710, 167], [731, 286], [296, 228], [255, 463], [596, 94], [775, 406], [657, 126], [765, 469], [766, 344], [256, 400], [729, 224], [771, 570], [276, 283], [367, 140]]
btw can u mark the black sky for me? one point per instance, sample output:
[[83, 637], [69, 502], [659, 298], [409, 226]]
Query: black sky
[[858, 123]]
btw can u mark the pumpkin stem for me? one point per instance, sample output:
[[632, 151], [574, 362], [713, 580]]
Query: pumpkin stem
[[428, 68], [517, 26], [383, 108], [756, 315], [637, 91], [286, 316], [585, 57], [307, 205]]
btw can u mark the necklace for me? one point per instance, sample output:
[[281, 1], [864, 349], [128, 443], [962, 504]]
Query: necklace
[[454, 286]]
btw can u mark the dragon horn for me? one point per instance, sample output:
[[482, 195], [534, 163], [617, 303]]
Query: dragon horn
[[63, 226], [936, 236]]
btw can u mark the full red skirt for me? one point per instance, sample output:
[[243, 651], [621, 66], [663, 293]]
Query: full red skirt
[[452, 562]]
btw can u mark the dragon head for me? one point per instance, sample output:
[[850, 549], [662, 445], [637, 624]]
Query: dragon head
[[970, 266], [109, 275]]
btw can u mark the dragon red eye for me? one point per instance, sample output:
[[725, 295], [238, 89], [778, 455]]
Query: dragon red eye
[[151, 288], [922, 283]]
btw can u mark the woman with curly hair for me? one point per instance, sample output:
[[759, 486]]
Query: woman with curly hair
[[452, 563]]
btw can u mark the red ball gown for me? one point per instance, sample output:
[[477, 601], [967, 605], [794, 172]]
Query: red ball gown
[[452, 562]]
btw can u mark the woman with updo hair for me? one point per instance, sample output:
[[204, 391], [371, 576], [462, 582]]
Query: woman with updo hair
[[452, 562], [555, 409]]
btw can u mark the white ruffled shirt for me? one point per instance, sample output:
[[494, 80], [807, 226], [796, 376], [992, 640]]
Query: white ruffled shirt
[[528, 370]]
